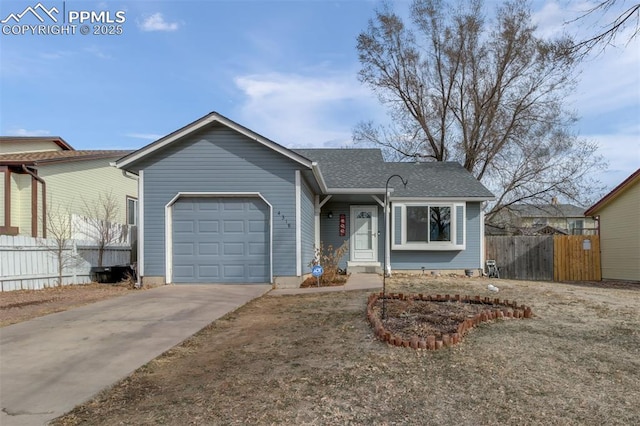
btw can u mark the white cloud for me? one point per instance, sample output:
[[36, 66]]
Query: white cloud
[[156, 22], [97, 52], [621, 149], [56, 54], [610, 80], [302, 111], [25, 132], [556, 17], [145, 136], [608, 90]]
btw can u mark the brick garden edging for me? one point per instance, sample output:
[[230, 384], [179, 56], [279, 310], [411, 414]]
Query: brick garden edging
[[508, 310]]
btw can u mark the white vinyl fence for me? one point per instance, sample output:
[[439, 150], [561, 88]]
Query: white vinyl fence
[[29, 263]]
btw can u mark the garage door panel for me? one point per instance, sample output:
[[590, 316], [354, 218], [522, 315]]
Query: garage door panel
[[208, 226], [210, 273], [209, 205], [185, 206], [183, 249], [257, 271], [183, 270], [256, 249], [183, 226], [208, 249], [234, 271], [233, 226], [234, 249], [258, 226], [221, 240], [233, 205]]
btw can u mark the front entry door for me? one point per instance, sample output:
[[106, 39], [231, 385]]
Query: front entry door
[[364, 234]]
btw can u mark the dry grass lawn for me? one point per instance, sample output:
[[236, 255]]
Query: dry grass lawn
[[312, 360], [22, 305]]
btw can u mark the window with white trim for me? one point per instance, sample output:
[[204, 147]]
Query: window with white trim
[[132, 211], [428, 226]]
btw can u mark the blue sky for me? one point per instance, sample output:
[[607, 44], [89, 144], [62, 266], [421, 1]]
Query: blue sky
[[287, 70]]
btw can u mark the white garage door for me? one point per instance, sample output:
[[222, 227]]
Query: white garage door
[[220, 240]]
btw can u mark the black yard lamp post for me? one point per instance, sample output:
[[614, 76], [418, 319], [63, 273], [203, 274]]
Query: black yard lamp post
[[386, 232]]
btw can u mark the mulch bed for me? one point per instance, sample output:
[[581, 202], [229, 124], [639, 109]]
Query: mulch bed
[[406, 318], [313, 282], [432, 322]]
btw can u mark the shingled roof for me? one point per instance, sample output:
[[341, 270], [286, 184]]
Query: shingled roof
[[46, 157], [548, 210], [366, 168]]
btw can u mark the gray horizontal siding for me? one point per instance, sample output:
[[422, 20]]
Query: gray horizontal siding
[[329, 228], [217, 159], [329, 232], [307, 201], [443, 260]]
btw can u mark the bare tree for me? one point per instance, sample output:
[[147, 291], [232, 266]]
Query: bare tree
[[486, 93], [59, 240], [623, 16], [100, 220]]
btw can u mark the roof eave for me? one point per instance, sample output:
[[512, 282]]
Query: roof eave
[[73, 159], [46, 161], [317, 173], [17, 163], [355, 191], [613, 194], [443, 198]]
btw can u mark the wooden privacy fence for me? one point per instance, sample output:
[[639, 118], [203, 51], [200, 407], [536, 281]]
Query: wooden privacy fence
[[522, 257], [546, 257], [576, 258], [28, 263]]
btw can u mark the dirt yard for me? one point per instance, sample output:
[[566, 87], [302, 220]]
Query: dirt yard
[[312, 360], [22, 305]]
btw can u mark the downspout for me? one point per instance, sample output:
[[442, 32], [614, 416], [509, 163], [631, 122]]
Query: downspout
[[597, 220], [44, 201], [137, 270]]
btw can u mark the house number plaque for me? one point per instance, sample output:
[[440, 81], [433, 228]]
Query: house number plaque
[[343, 225]]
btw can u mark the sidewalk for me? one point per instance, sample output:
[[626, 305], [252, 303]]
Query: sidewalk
[[355, 282]]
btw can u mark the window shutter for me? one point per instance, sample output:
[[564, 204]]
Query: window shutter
[[459, 225], [397, 229]]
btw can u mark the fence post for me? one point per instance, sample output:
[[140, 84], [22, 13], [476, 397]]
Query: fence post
[[74, 253]]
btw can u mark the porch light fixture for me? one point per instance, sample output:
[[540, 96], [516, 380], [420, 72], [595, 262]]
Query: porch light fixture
[[330, 215], [386, 230]]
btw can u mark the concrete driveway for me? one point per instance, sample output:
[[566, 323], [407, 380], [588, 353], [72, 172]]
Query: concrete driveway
[[51, 364]]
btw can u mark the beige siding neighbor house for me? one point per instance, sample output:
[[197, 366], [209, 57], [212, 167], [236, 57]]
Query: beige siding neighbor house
[[619, 220], [41, 176], [541, 219]]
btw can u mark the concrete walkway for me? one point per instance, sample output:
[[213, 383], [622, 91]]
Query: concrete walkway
[[51, 364], [355, 282]]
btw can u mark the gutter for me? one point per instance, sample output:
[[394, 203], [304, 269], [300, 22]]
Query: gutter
[[318, 175], [44, 204], [126, 174]]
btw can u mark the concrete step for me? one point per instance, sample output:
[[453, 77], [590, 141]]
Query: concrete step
[[364, 269]]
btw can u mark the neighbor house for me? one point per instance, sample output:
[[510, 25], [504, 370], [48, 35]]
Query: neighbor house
[[619, 223], [542, 219], [43, 177], [220, 203]]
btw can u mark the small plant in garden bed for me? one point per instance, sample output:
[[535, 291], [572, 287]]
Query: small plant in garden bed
[[329, 259], [432, 322]]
